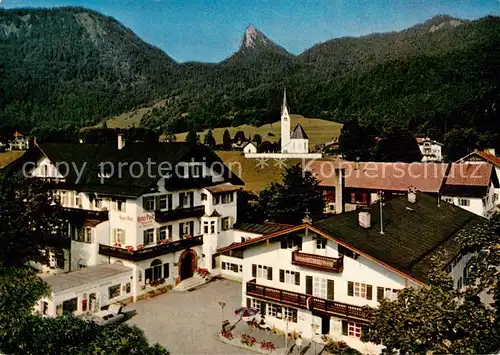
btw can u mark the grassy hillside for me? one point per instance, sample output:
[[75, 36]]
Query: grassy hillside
[[319, 131], [255, 176], [132, 118], [9, 156]]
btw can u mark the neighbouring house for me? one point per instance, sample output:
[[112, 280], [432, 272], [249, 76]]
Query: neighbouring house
[[249, 147], [19, 142], [430, 149], [472, 186], [488, 156], [160, 224], [316, 277]]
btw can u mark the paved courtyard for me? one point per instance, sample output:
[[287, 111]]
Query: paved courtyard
[[189, 322]]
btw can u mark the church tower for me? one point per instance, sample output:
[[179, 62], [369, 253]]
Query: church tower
[[285, 125]]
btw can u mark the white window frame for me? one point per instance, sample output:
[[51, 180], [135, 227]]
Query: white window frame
[[225, 223], [119, 236], [148, 236], [288, 314], [354, 329], [262, 271], [359, 289], [320, 287]]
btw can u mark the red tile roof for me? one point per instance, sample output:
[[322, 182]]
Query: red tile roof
[[469, 174]]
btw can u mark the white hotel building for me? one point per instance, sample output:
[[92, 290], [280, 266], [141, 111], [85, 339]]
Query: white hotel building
[[316, 277], [128, 233]]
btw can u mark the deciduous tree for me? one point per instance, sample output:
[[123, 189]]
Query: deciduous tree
[[209, 139], [289, 201], [227, 140]]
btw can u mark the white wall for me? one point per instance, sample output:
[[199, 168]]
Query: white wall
[[483, 207]]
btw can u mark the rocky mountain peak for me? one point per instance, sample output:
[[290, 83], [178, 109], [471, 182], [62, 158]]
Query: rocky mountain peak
[[253, 37]]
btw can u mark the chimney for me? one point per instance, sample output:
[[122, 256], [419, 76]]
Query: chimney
[[412, 195], [339, 189], [307, 218], [121, 141], [364, 218]]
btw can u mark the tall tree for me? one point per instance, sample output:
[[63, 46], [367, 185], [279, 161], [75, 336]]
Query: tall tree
[[356, 142], [227, 140], [209, 139], [289, 201], [397, 145], [30, 221], [239, 137], [459, 142], [440, 319], [192, 137]]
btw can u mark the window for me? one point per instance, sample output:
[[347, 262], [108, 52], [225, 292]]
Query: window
[[227, 197], [225, 223], [165, 202], [127, 287], [63, 198], [347, 252], [205, 227], [98, 203], [82, 264], [291, 242], [87, 234], [149, 236], [495, 197], [148, 203], [165, 232], [184, 199], [274, 310], [390, 293], [290, 277], [290, 314], [320, 243], [154, 272], [319, 287], [166, 270], [120, 205], [114, 291], [216, 199], [354, 329], [232, 267], [119, 236], [212, 227], [60, 259], [358, 289], [262, 271], [204, 196], [463, 202], [78, 200], [44, 307], [256, 304]]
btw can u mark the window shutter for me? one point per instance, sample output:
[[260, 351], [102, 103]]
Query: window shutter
[[344, 327], [181, 199], [353, 197], [380, 293], [369, 291], [180, 230], [279, 310], [350, 288], [297, 278], [191, 228], [169, 201], [144, 203], [330, 289], [282, 275], [309, 285], [269, 273], [191, 199], [124, 234], [294, 316], [254, 270], [364, 329], [299, 242], [263, 308], [157, 203], [283, 243], [364, 196], [249, 302], [166, 270], [223, 265]]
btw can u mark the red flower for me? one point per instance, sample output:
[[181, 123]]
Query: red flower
[[140, 246]]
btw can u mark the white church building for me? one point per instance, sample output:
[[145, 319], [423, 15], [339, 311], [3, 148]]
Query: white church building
[[294, 144]]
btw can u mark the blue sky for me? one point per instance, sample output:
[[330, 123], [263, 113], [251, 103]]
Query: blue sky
[[209, 31]]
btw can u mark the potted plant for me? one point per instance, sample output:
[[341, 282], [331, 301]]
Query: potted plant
[[140, 246], [129, 248], [117, 245], [227, 334], [267, 346], [248, 340]]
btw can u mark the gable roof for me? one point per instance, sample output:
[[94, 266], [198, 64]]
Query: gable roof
[[124, 179], [484, 156], [421, 140], [299, 133], [261, 228], [424, 177], [413, 233]]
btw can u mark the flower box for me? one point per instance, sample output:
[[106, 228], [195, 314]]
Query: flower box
[[117, 245], [140, 246]]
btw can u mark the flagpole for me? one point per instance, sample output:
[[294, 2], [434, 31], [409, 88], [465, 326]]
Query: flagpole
[[381, 219]]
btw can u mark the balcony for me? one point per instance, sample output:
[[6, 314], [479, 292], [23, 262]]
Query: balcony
[[299, 300], [83, 214], [179, 213], [318, 262], [150, 252]]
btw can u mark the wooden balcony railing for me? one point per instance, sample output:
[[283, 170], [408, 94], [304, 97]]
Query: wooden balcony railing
[[318, 262], [80, 213], [299, 300], [179, 213], [150, 252]]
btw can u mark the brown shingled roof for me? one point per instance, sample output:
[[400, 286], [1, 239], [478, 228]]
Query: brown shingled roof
[[469, 174]]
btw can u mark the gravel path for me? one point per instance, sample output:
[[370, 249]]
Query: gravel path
[[188, 322]]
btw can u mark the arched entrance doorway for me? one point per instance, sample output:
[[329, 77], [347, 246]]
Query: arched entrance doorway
[[188, 262]]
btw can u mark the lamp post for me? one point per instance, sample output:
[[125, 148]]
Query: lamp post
[[222, 305]]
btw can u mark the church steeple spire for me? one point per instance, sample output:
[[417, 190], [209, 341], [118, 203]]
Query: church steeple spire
[[284, 105]]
